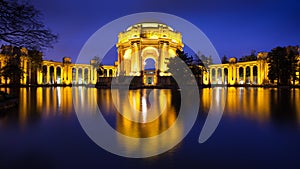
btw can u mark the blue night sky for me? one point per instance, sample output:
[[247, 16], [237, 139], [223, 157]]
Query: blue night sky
[[234, 27]]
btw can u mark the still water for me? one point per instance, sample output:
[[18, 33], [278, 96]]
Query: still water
[[260, 128]]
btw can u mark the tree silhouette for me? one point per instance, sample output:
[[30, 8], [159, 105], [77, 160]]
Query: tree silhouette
[[283, 64], [224, 59], [21, 25], [12, 69], [196, 65], [251, 57]]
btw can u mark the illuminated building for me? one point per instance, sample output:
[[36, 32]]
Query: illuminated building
[[140, 42], [136, 45]]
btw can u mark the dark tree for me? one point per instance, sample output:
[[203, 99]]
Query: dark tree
[[251, 57], [224, 59], [12, 69], [175, 62], [21, 25], [96, 62], [283, 64], [184, 56], [196, 66], [205, 60]]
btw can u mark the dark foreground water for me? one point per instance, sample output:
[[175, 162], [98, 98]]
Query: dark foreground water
[[260, 128]]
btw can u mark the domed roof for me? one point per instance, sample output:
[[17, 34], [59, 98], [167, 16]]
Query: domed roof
[[149, 25]]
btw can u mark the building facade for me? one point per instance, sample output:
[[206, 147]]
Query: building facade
[[143, 42], [57, 73], [136, 45]]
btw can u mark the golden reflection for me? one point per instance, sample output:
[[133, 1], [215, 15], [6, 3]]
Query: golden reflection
[[44, 102], [252, 103], [139, 101]]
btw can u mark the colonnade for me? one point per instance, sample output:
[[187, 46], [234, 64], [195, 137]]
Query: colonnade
[[61, 73], [57, 73], [252, 72]]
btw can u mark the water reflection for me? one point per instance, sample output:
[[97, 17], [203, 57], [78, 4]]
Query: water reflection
[[39, 103], [259, 104]]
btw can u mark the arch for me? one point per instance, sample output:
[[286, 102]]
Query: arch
[[225, 75], [51, 72], [241, 75], [247, 81], [110, 73], [105, 72], [149, 64], [74, 75], [213, 75], [86, 75], [150, 48], [255, 70], [44, 71], [58, 75], [255, 73]]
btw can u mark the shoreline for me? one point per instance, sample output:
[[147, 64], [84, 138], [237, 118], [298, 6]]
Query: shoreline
[[148, 87]]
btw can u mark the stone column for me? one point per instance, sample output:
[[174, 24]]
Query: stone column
[[244, 74], [259, 74], [1, 78], [237, 80], [210, 76], [62, 75], [95, 76], [23, 61], [251, 75], [163, 56], [216, 75], [223, 75], [54, 75], [39, 76], [89, 76], [70, 75], [233, 75], [136, 53]]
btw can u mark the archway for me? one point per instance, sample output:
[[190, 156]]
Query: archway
[[219, 78], [225, 75], [58, 75], [74, 76], [149, 64], [44, 71], [151, 53], [255, 74], [86, 76], [52, 80], [241, 75], [213, 75], [105, 72], [149, 68], [247, 75]]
